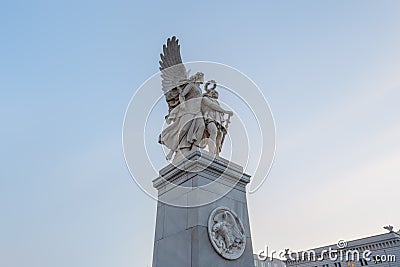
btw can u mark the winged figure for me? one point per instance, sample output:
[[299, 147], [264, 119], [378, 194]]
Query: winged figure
[[227, 233], [389, 228], [187, 127]]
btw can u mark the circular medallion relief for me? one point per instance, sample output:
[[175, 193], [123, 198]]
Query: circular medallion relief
[[226, 233]]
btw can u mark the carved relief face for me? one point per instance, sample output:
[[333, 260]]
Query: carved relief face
[[217, 227], [197, 78], [214, 94]]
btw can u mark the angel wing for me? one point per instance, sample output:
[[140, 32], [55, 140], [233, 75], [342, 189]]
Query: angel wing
[[233, 225], [173, 72]]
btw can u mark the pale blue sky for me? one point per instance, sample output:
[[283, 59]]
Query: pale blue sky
[[329, 69]]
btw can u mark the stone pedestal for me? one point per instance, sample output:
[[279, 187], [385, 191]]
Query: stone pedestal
[[189, 191]]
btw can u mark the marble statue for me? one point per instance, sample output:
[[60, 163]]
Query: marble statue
[[195, 119], [213, 114]]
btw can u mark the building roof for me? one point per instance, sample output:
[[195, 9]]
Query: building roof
[[362, 241]]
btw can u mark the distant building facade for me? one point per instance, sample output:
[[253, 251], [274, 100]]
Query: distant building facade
[[378, 251], [268, 262]]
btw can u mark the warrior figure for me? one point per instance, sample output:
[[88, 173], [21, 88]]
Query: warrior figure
[[214, 118]]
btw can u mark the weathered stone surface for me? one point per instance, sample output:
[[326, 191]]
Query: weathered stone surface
[[174, 250], [181, 237]]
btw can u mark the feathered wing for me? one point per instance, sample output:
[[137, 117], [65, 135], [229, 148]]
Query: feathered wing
[[234, 226], [173, 72]]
